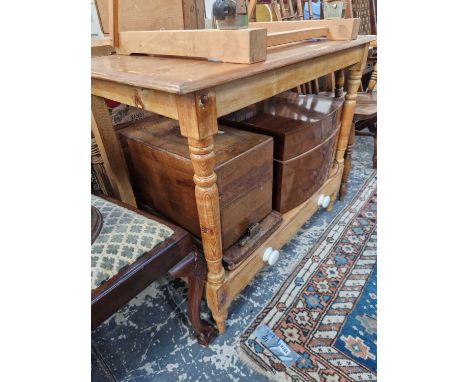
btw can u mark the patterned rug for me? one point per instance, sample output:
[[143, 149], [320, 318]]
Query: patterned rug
[[326, 310]]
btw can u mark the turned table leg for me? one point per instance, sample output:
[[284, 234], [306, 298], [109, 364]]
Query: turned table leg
[[353, 82], [354, 79], [198, 122], [111, 152], [348, 156]]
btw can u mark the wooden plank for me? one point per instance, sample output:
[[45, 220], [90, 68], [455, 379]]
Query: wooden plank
[[110, 150], [106, 41], [286, 37], [236, 46], [338, 30], [151, 100], [235, 95], [114, 22], [101, 47]]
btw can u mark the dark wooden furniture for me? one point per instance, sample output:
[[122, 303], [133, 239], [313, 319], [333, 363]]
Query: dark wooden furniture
[[304, 129], [162, 175], [96, 223], [175, 255]]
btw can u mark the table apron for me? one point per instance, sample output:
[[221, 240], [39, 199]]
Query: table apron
[[240, 93], [154, 101]]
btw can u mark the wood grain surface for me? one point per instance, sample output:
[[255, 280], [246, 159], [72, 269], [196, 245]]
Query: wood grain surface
[[181, 75], [343, 29], [239, 46]]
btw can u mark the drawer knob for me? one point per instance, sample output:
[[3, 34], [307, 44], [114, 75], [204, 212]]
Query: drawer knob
[[270, 256], [323, 201]]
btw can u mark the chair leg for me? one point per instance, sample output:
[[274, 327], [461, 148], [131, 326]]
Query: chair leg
[[348, 155], [374, 157], [194, 268]]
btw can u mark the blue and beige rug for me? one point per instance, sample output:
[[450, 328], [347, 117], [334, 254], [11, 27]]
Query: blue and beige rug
[[326, 310], [149, 339]]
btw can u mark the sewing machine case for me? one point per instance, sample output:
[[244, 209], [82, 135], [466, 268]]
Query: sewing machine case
[[162, 175]]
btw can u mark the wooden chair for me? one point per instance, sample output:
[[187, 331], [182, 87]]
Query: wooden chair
[[278, 9], [131, 249], [366, 10]]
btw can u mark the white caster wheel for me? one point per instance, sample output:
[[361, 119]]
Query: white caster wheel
[[270, 256], [323, 201]]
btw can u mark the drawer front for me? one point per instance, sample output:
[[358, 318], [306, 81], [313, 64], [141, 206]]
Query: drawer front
[[298, 179]]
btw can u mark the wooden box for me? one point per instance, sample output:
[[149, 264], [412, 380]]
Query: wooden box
[[305, 129], [162, 174]]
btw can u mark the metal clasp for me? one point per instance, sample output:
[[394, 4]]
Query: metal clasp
[[252, 231]]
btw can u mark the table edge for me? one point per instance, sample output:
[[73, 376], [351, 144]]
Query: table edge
[[188, 87]]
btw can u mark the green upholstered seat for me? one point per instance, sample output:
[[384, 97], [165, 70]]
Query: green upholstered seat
[[124, 237]]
